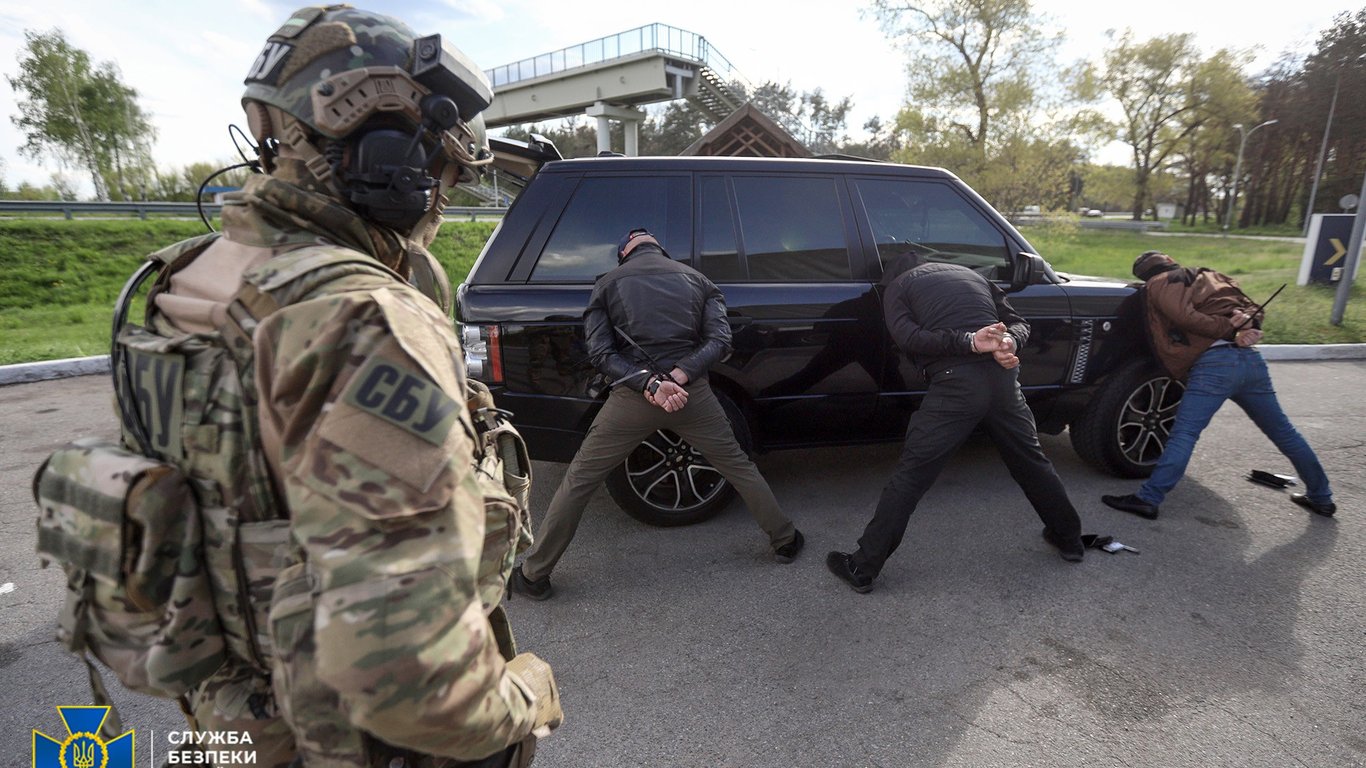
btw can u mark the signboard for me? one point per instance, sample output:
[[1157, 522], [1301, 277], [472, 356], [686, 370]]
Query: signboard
[[1325, 249]]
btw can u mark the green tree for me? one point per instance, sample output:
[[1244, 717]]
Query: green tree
[[810, 116], [1206, 157], [1164, 90], [973, 63], [1106, 187], [1301, 94], [672, 129], [884, 140], [181, 184], [29, 191], [65, 186], [573, 137], [82, 116]]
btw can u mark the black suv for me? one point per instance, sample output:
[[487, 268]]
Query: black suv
[[798, 247]]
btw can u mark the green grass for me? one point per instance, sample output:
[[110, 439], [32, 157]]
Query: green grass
[[1300, 315], [59, 278]]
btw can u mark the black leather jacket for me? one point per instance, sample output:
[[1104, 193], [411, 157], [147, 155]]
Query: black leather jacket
[[933, 310], [668, 308]]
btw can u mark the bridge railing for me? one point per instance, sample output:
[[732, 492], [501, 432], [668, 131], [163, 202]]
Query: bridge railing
[[651, 37]]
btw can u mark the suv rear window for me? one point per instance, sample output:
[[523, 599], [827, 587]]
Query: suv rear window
[[584, 242], [934, 221]]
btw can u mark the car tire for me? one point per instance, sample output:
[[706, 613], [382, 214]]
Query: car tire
[[665, 482], [1126, 425]]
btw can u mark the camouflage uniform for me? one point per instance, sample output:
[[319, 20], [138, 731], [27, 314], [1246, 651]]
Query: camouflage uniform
[[301, 546], [380, 624]]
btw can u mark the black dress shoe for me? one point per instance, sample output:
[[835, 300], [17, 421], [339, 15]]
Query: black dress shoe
[[1325, 508], [1072, 552], [539, 589], [788, 552], [842, 565], [1133, 504]]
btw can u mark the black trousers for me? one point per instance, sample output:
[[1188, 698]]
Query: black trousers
[[959, 399]]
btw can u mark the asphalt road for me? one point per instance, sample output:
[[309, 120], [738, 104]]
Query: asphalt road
[[1235, 639]]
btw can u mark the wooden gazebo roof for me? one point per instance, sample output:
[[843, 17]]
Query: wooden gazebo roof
[[747, 133]]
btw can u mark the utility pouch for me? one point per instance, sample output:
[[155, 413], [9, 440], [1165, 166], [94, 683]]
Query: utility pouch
[[502, 472], [126, 530]]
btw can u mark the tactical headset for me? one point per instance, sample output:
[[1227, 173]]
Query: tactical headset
[[386, 171]]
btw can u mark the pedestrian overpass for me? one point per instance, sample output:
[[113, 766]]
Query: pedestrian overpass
[[609, 78]]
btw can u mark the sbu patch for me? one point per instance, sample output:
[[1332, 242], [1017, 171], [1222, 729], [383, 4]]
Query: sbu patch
[[407, 400], [158, 382], [266, 68]]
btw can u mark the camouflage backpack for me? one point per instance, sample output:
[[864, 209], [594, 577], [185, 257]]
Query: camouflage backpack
[[173, 539]]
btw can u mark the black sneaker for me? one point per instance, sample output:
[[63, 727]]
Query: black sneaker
[[1072, 552], [1132, 504], [842, 565], [536, 590], [788, 552], [1325, 508]]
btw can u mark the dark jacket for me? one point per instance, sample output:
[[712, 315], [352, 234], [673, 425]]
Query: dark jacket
[[932, 311], [668, 308], [1188, 310]]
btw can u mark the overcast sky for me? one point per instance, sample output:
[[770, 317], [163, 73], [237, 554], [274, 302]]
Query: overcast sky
[[187, 59]]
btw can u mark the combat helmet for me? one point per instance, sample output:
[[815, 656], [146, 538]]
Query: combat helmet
[[384, 119]]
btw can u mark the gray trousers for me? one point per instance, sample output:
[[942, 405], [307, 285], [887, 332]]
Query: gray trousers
[[625, 420]]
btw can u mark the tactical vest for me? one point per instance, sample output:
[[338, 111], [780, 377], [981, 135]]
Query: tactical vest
[[172, 540]]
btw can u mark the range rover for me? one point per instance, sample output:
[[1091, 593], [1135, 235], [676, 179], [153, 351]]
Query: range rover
[[798, 248]]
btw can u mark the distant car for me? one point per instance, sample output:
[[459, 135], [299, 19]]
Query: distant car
[[798, 248], [1093, 213]]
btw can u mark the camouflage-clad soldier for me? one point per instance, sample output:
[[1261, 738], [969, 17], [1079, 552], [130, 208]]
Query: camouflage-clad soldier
[[380, 642]]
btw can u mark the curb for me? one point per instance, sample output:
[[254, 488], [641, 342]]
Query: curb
[[23, 373], [46, 370], [1284, 352]]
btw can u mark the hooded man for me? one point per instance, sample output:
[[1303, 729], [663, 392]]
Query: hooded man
[[1204, 329]]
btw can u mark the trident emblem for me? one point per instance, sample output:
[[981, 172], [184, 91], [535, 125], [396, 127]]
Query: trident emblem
[[83, 753], [84, 747]]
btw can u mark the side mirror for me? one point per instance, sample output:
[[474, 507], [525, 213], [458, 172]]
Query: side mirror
[[1027, 267]]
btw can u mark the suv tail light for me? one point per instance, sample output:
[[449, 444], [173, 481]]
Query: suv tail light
[[483, 353]]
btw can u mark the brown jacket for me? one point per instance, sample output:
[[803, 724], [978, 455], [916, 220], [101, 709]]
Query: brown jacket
[[1188, 310]]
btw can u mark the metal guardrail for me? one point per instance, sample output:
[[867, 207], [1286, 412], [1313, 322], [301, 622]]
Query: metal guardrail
[[70, 209], [651, 37], [143, 210]]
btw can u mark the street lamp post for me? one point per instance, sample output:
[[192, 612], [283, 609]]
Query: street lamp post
[[1323, 152], [1238, 167]]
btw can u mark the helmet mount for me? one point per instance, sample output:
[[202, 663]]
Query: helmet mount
[[398, 111]]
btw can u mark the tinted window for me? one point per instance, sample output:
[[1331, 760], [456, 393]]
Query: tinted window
[[718, 255], [933, 220], [603, 209], [792, 229]]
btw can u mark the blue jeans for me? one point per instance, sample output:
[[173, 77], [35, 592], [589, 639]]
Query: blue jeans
[[1238, 374]]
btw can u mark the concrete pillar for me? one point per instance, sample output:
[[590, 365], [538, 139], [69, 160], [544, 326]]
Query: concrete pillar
[[630, 119], [604, 134]]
